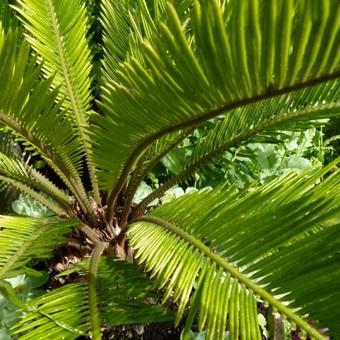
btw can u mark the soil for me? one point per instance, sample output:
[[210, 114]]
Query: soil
[[161, 331]]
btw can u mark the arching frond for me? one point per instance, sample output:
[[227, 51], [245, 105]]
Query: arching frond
[[190, 76], [121, 293], [259, 122], [256, 122], [28, 109], [147, 161], [25, 178], [57, 31], [24, 99], [23, 239], [222, 250]]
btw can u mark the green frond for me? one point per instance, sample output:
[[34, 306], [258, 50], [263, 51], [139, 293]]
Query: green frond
[[57, 31], [23, 239], [115, 21], [121, 292], [28, 109], [192, 75], [267, 119], [25, 178], [7, 18], [61, 314], [147, 161], [27, 106], [264, 121], [24, 99], [219, 256], [126, 24]]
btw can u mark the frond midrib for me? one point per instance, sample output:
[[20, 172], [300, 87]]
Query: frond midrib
[[92, 291], [266, 296], [196, 122], [20, 251], [29, 309], [35, 195], [235, 141], [66, 174], [79, 112]]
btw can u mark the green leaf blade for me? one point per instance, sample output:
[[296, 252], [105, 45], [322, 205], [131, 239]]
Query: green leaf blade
[[240, 242], [23, 239]]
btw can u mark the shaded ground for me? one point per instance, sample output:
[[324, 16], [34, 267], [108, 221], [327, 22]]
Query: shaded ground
[[162, 331]]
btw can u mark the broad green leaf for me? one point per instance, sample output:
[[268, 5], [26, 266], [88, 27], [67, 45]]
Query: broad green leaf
[[26, 206]]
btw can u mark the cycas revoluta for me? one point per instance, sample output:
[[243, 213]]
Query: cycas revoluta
[[102, 91]]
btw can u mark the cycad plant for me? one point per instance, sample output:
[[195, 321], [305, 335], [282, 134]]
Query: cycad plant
[[102, 91]]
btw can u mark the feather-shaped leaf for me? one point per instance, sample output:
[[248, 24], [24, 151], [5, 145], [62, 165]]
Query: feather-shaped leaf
[[262, 121], [190, 76], [28, 109], [126, 24], [221, 250], [121, 293], [57, 31], [23, 239], [27, 105], [115, 21], [269, 118], [25, 178]]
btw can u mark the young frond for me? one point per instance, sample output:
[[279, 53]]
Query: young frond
[[223, 245], [57, 31]]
